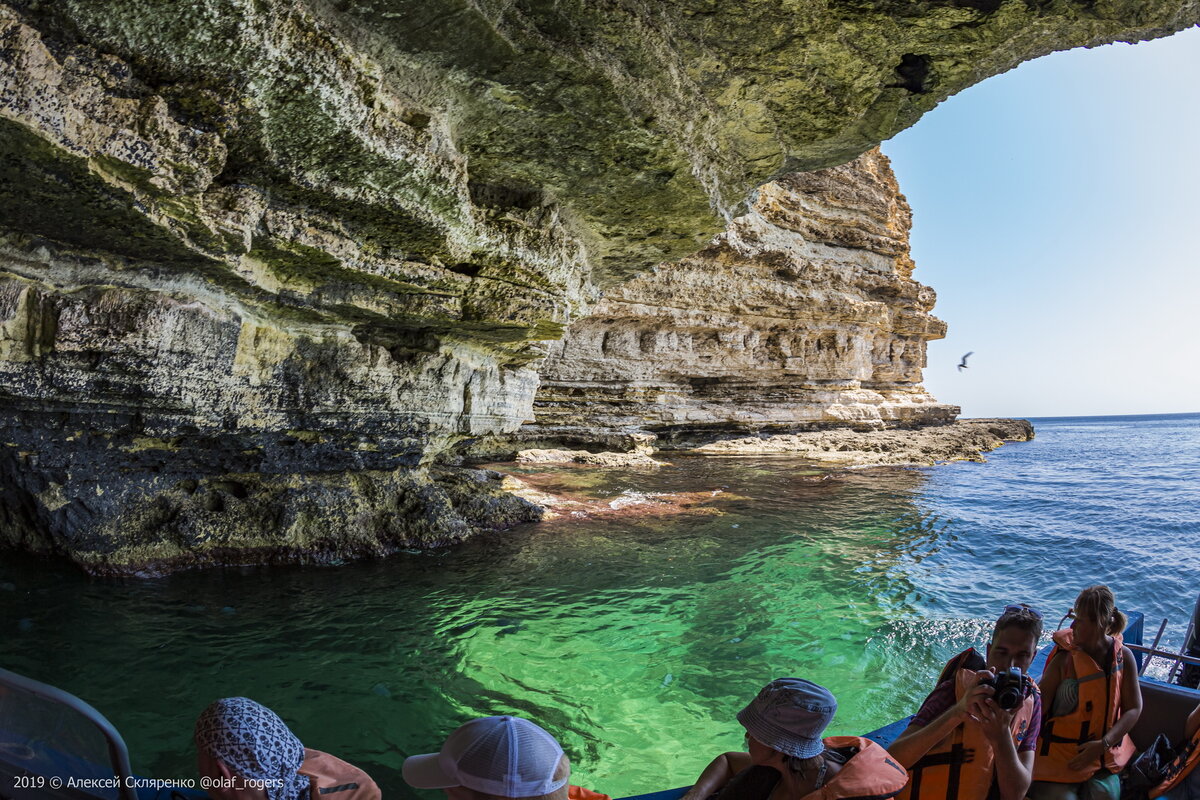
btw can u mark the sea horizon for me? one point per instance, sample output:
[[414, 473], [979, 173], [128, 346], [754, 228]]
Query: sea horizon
[[1056, 418]]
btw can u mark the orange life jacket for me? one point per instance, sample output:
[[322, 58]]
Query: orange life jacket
[[580, 793], [959, 767], [330, 778], [1180, 767], [1099, 707], [869, 773]]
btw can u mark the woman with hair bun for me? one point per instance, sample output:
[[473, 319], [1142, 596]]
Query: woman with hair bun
[[1093, 702]]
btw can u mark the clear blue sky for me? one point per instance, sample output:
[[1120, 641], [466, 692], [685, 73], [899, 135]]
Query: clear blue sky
[[1056, 212]]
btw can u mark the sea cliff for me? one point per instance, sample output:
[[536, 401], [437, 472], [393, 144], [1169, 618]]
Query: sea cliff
[[268, 269], [802, 314]]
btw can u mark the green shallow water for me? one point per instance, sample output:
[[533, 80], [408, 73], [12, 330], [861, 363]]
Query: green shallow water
[[634, 640]]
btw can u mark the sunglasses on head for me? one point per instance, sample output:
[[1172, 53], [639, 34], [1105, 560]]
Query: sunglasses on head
[[1025, 608]]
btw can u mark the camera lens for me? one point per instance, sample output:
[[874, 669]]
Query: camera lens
[[1009, 697]]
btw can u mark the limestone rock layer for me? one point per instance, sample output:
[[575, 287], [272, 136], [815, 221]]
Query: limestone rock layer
[[802, 313]]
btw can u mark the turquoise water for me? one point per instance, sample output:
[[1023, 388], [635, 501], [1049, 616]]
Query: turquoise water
[[636, 640]]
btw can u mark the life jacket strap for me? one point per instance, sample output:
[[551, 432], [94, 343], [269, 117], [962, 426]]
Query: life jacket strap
[[954, 758], [1050, 737]]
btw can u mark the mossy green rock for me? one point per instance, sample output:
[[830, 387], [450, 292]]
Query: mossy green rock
[[645, 125]]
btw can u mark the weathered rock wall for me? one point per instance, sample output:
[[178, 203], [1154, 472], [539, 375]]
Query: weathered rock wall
[[281, 254], [802, 313], [174, 323]]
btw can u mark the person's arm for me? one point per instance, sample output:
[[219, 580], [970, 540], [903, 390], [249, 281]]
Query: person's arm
[[1131, 699], [1013, 770], [1131, 709], [1193, 723], [1051, 677], [717, 774], [917, 739]]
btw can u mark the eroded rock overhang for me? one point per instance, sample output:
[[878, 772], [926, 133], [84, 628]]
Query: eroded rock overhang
[[802, 314], [262, 261]]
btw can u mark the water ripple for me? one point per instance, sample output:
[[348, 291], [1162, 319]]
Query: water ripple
[[636, 641]]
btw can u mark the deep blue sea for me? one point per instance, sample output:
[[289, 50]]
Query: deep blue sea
[[636, 639]]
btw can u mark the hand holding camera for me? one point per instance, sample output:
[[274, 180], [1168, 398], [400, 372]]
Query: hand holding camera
[[995, 697], [973, 701], [994, 700], [1009, 686]]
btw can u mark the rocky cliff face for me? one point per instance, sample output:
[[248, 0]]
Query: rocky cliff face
[[803, 313], [262, 261]]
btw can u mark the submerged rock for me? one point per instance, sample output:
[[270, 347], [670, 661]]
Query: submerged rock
[[558, 504]]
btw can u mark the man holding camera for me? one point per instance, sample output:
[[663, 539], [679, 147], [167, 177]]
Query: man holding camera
[[974, 736]]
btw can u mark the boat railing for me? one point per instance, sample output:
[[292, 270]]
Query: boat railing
[[35, 718], [1153, 651]]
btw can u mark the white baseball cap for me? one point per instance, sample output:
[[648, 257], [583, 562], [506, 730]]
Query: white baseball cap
[[502, 756]]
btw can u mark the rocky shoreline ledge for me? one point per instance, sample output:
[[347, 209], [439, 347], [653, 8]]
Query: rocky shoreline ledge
[[962, 440], [263, 520], [826, 454]]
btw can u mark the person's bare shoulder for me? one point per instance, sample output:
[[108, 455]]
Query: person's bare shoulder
[[1129, 664], [738, 761], [1054, 667]]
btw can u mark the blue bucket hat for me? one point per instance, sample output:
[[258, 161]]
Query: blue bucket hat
[[789, 715]]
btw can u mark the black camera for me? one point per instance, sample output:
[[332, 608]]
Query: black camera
[[1010, 686]]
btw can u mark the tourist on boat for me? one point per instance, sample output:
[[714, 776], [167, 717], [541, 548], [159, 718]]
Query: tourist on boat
[[974, 736], [1093, 700], [498, 757], [244, 751], [788, 759]]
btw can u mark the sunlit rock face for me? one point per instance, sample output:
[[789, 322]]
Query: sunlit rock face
[[802, 313], [263, 261]]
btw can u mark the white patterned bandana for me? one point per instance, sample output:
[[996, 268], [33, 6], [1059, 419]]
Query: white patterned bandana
[[255, 743]]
